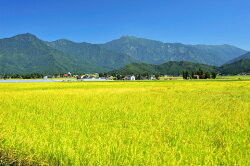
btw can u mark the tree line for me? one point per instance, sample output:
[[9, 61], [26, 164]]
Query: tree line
[[22, 76], [200, 74], [29, 76], [137, 76]]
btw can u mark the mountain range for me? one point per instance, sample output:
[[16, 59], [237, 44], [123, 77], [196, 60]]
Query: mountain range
[[156, 52], [26, 53]]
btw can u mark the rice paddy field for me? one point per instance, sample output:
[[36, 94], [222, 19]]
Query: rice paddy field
[[195, 122]]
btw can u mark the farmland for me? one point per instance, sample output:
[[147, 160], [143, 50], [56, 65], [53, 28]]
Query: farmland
[[205, 122]]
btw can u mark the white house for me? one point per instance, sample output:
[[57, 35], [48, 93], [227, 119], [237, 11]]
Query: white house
[[131, 78], [152, 77]]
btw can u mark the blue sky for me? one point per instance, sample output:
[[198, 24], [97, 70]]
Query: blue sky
[[99, 21]]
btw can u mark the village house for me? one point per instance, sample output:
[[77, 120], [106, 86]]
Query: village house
[[79, 77], [109, 78], [144, 78], [85, 76], [152, 77], [196, 76], [129, 77], [125, 78], [65, 75]]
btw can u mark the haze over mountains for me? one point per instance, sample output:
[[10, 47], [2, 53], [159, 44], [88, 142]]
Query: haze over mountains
[[25, 53]]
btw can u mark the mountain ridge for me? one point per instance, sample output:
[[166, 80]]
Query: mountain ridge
[[92, 53], [244, 56], [26, 53], [177, 67], [157, 52], [236, 67], [170, 68]]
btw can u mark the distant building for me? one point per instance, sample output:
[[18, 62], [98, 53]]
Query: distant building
[[85, 76], [65, 75], [131, 78], [79, 77], [196, 76], [152, 77], [144, 78]]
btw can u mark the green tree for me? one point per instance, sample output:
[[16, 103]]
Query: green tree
[[138, 77], [118, 77], [185, 75], [207, 75], [157, 76], [192, 75], [214, 74], [200, 73]]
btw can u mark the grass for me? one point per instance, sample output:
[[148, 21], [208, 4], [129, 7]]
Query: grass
[[238, 77], [167, 78], [58, 78], [125, 123]]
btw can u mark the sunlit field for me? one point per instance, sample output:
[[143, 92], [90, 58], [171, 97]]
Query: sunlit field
[[195, 122], [239, 77]]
